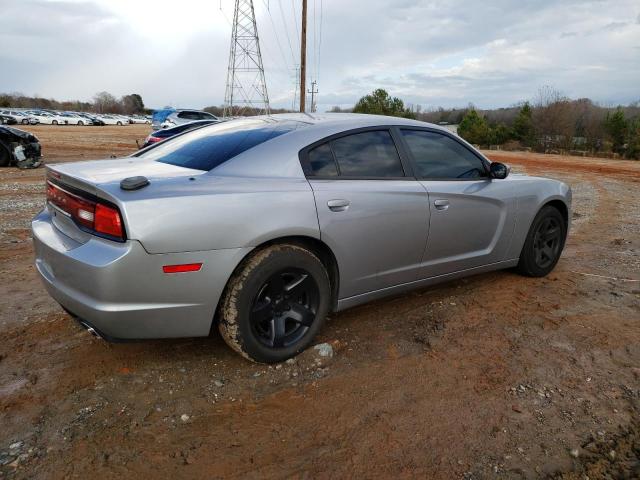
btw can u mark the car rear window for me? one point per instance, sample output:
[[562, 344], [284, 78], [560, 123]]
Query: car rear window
[[208, 147]]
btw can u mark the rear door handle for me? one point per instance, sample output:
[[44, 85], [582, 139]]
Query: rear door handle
[[338, 205], [441, 204]]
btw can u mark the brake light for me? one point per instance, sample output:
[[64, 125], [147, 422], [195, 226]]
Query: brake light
[[94, 216], [153, 139], [108, 221]]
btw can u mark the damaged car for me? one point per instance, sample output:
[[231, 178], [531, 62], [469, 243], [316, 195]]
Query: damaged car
[[19, 148]]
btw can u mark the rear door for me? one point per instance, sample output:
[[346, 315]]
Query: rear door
[[372, 212], [472, 215]]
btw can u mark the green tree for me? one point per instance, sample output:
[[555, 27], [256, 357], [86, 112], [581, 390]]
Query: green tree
[[500, 134], [523, 129], [474, 128], [379, 102], [132, 103], [616, 127], [633, 148]]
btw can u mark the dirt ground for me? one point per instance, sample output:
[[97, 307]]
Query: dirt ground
[[494, 376]]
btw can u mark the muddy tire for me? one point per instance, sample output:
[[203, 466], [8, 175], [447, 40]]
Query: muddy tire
[[275, 303], [544, 243]]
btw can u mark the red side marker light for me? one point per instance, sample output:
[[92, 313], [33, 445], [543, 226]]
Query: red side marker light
[[186, 267]]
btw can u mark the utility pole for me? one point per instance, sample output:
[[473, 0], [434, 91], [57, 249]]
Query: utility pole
[[303, 58], [246, 90], [313, 92]]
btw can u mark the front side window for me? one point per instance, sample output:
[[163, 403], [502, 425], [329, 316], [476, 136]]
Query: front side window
[[367, 154], [208, 147], [441, 157]]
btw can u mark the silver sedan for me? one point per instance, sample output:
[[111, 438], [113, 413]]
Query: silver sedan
[[262, 226]]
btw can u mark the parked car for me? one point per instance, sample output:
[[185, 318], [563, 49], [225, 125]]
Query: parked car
[[112, 120], [19, 116], [7, 120], [160, 135], [73, 119], [92, 119], [19, 148], [262, 226], [180, 117], [47, 118], [172, 118], [139, 119]]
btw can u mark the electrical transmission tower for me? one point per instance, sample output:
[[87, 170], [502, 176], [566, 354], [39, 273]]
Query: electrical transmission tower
[[246, 88]]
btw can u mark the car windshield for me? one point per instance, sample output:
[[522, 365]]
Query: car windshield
[[208, 147]]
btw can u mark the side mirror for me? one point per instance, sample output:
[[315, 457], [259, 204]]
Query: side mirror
[[499, 170]]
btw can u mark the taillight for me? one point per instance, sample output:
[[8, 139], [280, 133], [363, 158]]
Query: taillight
[[94, 216], [153, 139]]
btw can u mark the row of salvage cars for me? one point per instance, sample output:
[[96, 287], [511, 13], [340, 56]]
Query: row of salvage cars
[[51, 117]]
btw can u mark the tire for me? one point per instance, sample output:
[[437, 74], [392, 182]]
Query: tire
[[5, 156], [81, 123], [54, 122], [25, 121], [275, 303], [544, 244], [119, 124]]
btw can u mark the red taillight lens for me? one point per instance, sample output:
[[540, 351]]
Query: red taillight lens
[[152, 139], [186, 267], [94, 216], [108, 221]]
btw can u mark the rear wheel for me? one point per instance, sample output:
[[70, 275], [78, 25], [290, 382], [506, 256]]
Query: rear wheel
[[275, 303], [544, 243]]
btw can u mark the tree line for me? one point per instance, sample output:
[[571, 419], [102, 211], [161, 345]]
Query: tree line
[[103, 102], [551, 122]]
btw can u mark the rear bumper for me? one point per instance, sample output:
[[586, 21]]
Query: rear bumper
[[121, 291]]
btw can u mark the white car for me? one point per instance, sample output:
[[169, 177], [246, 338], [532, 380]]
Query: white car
[[113, 120], [47, 118], [20, 116], [74, 119], [139, 119]]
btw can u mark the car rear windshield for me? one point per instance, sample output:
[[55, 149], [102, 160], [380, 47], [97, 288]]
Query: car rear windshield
[[208, 147]]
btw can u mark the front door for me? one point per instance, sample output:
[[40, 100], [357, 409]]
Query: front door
[[472, 215]]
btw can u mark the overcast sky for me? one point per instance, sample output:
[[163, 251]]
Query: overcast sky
[[434, 53]]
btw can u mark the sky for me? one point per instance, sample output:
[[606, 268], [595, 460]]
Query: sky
[[449, 53]]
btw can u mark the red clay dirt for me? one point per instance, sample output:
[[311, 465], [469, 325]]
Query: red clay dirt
[[494, 376]]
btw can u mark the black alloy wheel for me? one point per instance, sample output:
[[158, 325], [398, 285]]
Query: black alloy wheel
[[546, 242], [285, 308]]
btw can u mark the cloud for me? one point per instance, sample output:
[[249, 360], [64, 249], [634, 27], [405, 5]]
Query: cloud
[[492, 53]]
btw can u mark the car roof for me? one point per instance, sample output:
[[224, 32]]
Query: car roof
[[278, 157]]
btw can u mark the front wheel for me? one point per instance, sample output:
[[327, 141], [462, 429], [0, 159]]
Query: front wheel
[[120, 123], [80, 123], [544, 243], [25, 121], [54, 122], [275, 303]]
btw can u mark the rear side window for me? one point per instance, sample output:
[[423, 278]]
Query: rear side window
[[321, 161], [366, 155], [206, 148], [441, 157]]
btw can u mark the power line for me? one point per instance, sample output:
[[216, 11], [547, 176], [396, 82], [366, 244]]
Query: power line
[[286, 30]]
